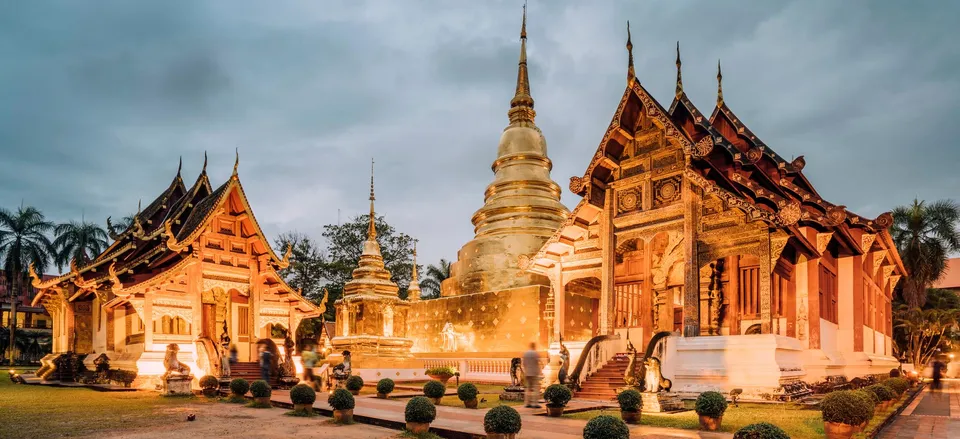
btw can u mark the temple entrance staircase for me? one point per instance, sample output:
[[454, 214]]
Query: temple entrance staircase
[[249, 371], [602, 385]]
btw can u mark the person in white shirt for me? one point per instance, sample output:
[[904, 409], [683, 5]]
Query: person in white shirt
[[531, 370]]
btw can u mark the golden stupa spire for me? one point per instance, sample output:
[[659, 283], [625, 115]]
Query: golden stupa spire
[[631, 73], [413, 290], [679, 78], [719, 85], [371, 230], [521, 106], [236, 164], [414, 275]]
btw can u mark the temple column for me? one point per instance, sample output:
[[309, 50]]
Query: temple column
[[559, 301], [691, 285], [647, 294], [732, 293], [849, 303], [608, 260], [766, 275], [147, 318], [256, 288]]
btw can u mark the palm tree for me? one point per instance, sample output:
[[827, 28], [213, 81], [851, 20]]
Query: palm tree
[[80, 241], [925, 235], [23, 242], [433, 276]]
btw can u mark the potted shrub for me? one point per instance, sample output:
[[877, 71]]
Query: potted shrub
[[557, 397], [419, 413], [434, 390], [630, 405], [711, 406], [883, 393], [342, 403], [843, 412], [899, 385], [442, 373], [871, 402], [261, 392], [354, 384], [502, 422], [384, 387], [210, 384], [467, 392], [302, 396], [606, 427], [760, 430], [238, 389]]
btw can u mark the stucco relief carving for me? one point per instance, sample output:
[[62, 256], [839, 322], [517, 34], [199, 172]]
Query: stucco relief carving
[[665, 262], [894, 280], [628, 200], [159, 311], [790, 214], [666, 191], [878, 258], [275, 320], [822, 240], [777, 244], [226, 285], [887, 271], [866, 241]]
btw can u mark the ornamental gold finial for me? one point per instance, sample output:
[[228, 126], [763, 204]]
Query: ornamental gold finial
[[521, 106], [414, 276], [631, 73], [719, 85], [371, 230], [204, 170], [285, 262], [35, 279], [236, 164], [679, 78]]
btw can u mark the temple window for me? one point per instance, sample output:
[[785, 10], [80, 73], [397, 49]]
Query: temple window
[[171, 326], [828, 295], [749, 291], [243, 321], [628, 305]]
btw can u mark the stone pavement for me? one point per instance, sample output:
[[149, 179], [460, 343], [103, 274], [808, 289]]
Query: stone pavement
[[933, 415], [468, 423]]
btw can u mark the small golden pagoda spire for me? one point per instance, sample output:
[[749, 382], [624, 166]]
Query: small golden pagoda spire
[[371, 230], [413, 290], [236, 164], [679, 78], [521, 106], [414, 275], [719, 85], [631, 73]]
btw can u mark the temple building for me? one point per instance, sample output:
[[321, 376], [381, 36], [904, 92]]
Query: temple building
[[192, 267]]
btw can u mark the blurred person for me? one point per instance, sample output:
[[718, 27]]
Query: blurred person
[[265, 357], [531, 370], [309, 358]]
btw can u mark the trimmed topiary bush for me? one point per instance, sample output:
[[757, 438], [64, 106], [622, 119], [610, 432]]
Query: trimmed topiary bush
[[845, 407], [883, 393], [467, 392], [385, 386], [354, 383], [630, 400], [440, 371], [341, 399], [434, 389], [260, 389], [606, 427], [899, 385], [760, 430], [239, 386], [420, 409], [209, 382], [557, 395], [502, 419], [872, 397], [302, 394], [711, 404]]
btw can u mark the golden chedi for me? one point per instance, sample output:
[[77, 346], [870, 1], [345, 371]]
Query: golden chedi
[[521, 207]]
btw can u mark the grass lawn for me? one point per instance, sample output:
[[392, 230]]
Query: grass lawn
[[798, 422], [41, 411]]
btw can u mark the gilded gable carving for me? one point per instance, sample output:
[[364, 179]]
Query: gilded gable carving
[[629, 200], [666, 191]]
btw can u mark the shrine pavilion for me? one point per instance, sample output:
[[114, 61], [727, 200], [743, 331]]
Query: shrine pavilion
[[193, 264]]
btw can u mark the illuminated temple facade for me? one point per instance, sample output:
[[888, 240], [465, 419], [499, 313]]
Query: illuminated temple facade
[[687, 223], [193, 264]]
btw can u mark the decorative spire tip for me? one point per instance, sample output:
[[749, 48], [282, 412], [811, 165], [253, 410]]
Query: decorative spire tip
[[204, 170], [631, 73], [521, 106], [719, 85], [679, 77], [236, 163]]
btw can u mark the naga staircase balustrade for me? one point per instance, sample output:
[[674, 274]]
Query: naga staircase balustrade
[[597, 352]]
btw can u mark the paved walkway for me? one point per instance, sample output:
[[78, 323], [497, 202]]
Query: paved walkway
[[462, 422], [933, 415]]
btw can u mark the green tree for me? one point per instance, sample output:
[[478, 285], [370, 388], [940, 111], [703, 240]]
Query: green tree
[[433, 277], [345, 243], [23, 242], [78, 241], [925, 235], [925, 331], [305, 272]]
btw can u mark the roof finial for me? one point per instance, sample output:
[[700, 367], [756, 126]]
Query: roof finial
[[204, 170], [631, 73], [521, 106], [719, 85], [413, 277], [138, 207], [679, 79], [180, 166], [236, 164], [371, 230]]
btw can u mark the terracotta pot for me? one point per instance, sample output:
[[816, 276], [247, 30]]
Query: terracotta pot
[[262, 399], [630, 417], [436, 401], [382, 395], [471, 404], [211, 392], [837, 430], [418, 427], [862, 426], [343, 416], [710, 424], [501, 435], [303, 408], [554, 412], [355, 392], [442, 378]]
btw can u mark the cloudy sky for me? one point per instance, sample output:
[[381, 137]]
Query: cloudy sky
[[99, 99]]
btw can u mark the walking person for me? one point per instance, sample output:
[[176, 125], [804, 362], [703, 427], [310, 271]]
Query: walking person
[[309, 358], [531, 371], [937, 375], [265, 359]]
